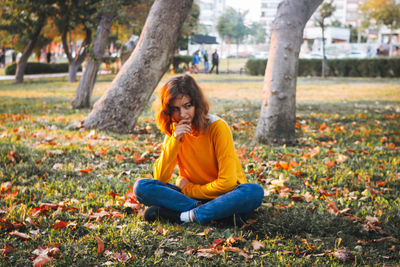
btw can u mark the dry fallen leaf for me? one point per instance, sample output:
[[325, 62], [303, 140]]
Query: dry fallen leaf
[[296, 197], [257, 244], [343, 255], [41, 260], [86, 170], [162, 230], [308, 197], [332, 208], [59, 224], [6, 186], [20, 235], [100, 245]]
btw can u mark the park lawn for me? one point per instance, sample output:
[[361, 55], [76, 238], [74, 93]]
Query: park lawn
[[333, 199]]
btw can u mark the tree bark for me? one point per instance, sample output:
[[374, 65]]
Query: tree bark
[[23, 61], [73, 68], [277, 119], [119, 108], [85, 88]]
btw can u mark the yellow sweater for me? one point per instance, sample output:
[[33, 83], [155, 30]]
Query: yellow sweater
[[209, 161]]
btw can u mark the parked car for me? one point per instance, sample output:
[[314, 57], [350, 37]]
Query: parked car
[[356, 54], [261, 55], [317, 55]]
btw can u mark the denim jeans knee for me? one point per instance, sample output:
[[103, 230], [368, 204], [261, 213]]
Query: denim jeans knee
[[154, 192], [242, 201]]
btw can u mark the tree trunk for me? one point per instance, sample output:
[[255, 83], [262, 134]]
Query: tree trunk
[[277, 120], [119, 108], [23, 61], [85, 88], [324, 60], [75, 62], [73, 68]]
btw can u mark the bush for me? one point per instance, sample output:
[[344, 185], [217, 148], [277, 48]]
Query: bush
[[37, 68], [369, 67], [180, 63]]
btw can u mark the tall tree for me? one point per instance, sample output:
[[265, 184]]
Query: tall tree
[[231, 26], [75, 20], [108, 10], [276, 124], [86, 84], [325, 11], [384, 12], [257, 31], [24, 20], [111, 10], [119, 108]]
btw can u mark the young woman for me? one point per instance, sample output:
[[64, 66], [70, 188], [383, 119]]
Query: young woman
[[211, 184]]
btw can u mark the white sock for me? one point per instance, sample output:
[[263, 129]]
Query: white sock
[[187, 216]]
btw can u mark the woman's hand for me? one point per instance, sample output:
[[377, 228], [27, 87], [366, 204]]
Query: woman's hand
[[182, 182], [183, 127]]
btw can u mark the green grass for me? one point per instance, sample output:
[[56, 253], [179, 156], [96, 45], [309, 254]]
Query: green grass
[[320, 194]]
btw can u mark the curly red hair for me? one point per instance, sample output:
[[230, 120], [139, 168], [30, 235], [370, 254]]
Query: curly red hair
[[182, 85]]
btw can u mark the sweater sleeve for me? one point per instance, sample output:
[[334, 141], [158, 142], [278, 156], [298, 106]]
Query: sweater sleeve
[[165, 164], [226, 159]]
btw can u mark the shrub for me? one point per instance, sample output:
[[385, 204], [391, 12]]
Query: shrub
[[369, 67], [37, 68]]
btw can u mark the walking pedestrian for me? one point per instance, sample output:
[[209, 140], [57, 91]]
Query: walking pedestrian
[[196, 61], [215, 61], [205, 59]]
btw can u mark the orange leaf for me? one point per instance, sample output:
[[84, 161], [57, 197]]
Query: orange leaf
[[322, 127], [232, 249], [216, 242], [330, 164], [86, 170], [59, 224], [361, 115], [100, 245], [283, 165], [119, 158]]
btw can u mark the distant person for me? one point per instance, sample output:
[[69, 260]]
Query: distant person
[[14, 57], [3, 58], [215, 62], [196, 61], [205, 59], [48, 57], [396, 51]]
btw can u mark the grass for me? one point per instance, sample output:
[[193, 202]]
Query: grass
[[333, 199]]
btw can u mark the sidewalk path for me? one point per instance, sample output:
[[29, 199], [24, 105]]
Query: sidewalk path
[[48, 75]]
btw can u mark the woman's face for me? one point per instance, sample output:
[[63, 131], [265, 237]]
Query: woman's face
[[182, 109]]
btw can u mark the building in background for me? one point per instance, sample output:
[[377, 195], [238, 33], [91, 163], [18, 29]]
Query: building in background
[[210, 10], [267, 14], [347, 13]]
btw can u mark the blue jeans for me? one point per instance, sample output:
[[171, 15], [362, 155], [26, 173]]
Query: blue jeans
[[241, 201]]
